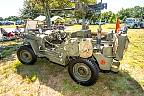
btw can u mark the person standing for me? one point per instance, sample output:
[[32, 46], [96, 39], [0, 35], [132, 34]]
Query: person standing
[[117, 25]]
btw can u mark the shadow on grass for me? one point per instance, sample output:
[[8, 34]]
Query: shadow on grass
[[9, 49], [57, 78]]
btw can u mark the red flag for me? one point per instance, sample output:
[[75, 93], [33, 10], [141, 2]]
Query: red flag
[[118, 25]]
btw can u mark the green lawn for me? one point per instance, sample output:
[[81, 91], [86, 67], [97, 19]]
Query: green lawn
[[10, 26], [106, 27], [48, 79]]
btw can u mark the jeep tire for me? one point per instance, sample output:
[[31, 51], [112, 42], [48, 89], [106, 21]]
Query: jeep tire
[[26, 55], [135, 26], [83, 71]]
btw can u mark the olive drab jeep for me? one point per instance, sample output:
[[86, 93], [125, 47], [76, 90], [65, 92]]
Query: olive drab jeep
[[83, 52], [78, 51]]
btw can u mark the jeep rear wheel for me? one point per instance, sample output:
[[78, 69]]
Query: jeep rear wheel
[[83, 71], [26, 55]]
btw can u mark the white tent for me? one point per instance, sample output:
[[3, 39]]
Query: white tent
[[40, 18], [56, 17]]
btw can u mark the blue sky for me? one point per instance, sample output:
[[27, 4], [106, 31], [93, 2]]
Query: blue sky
[[12, 7]]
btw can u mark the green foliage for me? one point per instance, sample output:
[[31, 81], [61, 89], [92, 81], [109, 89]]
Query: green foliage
[[30, 10], [12, 18], [33, 8], [109, 17], [136, 12], [1, 19]]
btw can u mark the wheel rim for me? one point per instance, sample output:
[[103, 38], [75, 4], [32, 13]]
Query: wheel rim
[[81, 72], [25, 56]]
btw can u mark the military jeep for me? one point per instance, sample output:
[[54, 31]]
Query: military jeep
[[80, 53]]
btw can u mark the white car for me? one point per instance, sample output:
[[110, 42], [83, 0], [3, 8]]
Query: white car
[[134, 23], [142, 24]]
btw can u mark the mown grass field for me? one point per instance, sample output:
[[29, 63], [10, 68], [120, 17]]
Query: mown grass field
[[48, 79], [10, 26]]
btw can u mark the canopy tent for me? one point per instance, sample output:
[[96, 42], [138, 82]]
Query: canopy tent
[[40, 18], [54, 18]]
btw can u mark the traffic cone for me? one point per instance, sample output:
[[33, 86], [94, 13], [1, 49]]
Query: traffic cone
[[117, 25]]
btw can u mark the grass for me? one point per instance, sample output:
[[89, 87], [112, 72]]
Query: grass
[[47, 79], [8, 48], [134, 55], [106, 27], [10, 26]]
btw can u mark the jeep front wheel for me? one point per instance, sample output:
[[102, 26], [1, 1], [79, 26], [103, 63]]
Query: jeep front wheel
[[83, 71], [26, 55]]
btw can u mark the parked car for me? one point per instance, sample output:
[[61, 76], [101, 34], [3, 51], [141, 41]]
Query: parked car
[[79, 21], [19, 22], [1, 23], [102, 22], [142, 24], [134, 23], [8, 23]]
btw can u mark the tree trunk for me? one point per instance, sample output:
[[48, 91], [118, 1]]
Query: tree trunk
[[83, 23], [47, 14]]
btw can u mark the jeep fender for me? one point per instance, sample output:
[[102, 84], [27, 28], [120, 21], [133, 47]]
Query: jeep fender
[[104, 63], [33, 44]]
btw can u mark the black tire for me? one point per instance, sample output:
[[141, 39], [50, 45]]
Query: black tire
[[92, 68], [141, 25], [26, 55], [135, 27]]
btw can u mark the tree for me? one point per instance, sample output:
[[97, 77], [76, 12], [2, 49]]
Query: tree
[[12, 18], [108, 16], [46, 6], [83, 10], [30, 10], [33, 8], [136, 12], [1, 19], [125, 13], [40, 5]]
